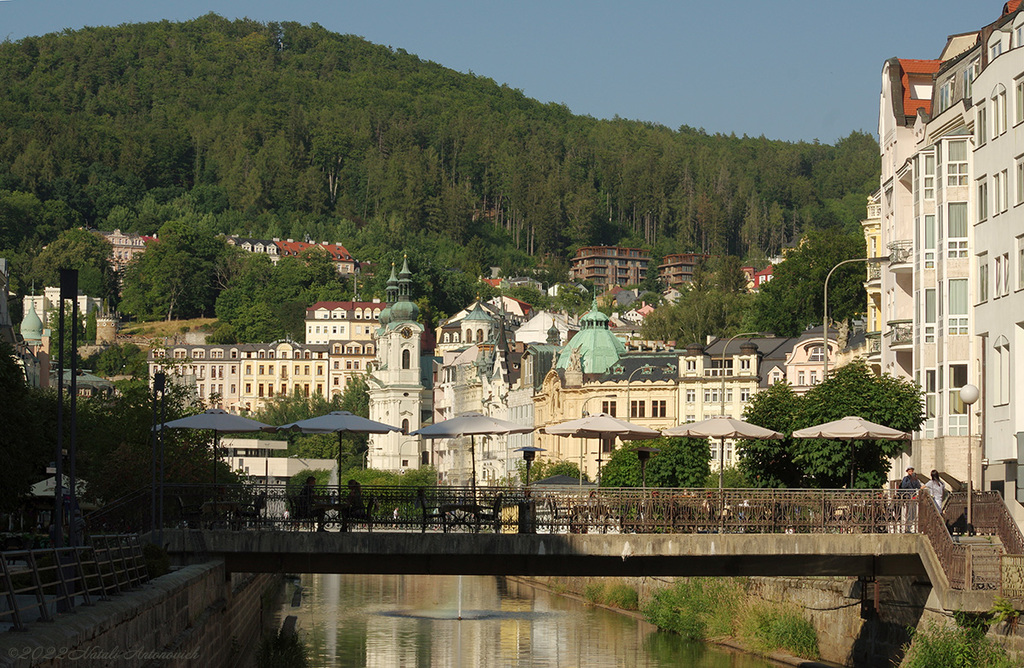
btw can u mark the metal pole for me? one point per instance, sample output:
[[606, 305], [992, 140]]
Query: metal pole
[[73, 436], [824, 318], [161, 378], [968, 395], [58, 465], [726, 348]]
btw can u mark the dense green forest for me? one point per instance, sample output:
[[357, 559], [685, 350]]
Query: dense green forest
[[291, 131]]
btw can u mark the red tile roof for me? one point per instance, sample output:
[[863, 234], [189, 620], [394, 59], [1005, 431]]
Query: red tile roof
[[1011, 7], [348, 306], [336, 252], [908, 66], [493, 282]]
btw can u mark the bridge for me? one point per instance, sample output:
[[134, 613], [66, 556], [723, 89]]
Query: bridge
[[598, 532]]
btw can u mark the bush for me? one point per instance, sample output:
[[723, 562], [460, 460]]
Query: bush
[[697, 609], [594, 592], [622, 596], [767, 628], [281, 650], [158, 562], [953, 647]]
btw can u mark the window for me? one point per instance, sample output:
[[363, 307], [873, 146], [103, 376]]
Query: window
[[956, 164], [744, 394], [691, 394], [691, 365], [1002, 379], [995, 50], [1018, 115], [946, 94], [957, 409], [1005, 275], [957, 242], [801, 378], [1018, 192], [969, 74], [982, 200], [929, 241], [929, 177], [930, 403], [637, 409], [999, 277], [1020, 262], [958, 306], [608, 407], [981, 127], [1001, 193], [406, 359], [659, 408], [999, 113], [983, 278], [817, 354]]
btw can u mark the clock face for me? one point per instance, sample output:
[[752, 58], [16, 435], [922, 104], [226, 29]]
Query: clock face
[[406, 332]]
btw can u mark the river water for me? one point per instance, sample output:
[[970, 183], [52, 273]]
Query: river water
[[412, 620]]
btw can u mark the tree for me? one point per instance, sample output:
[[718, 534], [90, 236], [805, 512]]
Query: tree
[[546, 468], [28, 428], [79, 249], [849, 390], [680, 462], [792, 300]]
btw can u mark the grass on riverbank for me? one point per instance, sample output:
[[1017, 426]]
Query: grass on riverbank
[[704, 609], [954, 647], [620, 596]]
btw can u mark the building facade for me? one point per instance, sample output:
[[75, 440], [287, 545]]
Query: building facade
[[606, 266]]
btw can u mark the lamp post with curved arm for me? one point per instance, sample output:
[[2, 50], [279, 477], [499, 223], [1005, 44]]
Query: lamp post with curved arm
[[824, 319], [968, 395], [724, 350]]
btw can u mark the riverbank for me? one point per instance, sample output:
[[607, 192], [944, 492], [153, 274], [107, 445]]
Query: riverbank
[[576, 589]]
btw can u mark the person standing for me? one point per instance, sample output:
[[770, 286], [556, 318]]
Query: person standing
[[909, 487], [936, 489]]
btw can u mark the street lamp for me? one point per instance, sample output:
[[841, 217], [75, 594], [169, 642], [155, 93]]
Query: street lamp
[[529, 454], [643, 454], [583, 448], [629, 406], [968, 395], [824, 319]]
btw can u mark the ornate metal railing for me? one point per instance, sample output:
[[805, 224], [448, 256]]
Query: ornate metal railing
[[537, 510], [992, 566], [900, 251], [42, 583], [874, 342], [901, 332]]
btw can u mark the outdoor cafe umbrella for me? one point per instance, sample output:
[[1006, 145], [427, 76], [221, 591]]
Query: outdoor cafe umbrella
[[218, 421], [340, 422], [602, 426], [471, 424], [852, 428], [722, 427]]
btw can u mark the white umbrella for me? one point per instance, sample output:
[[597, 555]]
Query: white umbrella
[[852, 428], [340, 422], [601, 426], [471, 424], [722, 427], [218, 421]]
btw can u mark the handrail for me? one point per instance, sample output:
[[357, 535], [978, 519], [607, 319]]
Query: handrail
[[55, 580]]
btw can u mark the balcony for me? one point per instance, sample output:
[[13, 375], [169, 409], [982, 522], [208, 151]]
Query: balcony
[[873, 343], [901, 334], [874, 276], [901, 256]]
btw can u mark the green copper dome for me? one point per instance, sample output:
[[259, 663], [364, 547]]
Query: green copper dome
[[391, 294], [404, 310], [31, 326], [599, 349]]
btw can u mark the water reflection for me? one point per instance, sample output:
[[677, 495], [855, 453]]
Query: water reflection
[[402, 620]]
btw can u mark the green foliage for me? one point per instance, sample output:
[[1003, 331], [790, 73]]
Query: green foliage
[[79, 249], [793, 299], [594, 592], [28, 433], [621, 596], [732, 478], [849, 390], [769, 628], [1004, 612], [282, 650], [953, 646], [697, 608], [158, 562], [702, 310], [545, 468], [680, 462], [118, 359]]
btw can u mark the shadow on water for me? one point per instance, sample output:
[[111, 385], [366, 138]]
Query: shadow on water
[[468, 615]]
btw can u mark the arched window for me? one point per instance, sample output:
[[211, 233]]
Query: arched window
[[447, 337], [479, 336], [406, 359], [468, 336], [405, 426]]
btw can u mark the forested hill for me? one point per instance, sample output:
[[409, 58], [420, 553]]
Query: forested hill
[[288, 130]]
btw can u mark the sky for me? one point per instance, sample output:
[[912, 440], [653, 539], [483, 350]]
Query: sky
[[785, 69]]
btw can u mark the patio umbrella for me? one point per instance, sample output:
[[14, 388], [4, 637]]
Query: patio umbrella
[[852, 428], [601, 426], [471, 424], [218, 421], [722, 427], [340, 422]]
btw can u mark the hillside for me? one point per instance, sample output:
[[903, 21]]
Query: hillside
[[286, 130]]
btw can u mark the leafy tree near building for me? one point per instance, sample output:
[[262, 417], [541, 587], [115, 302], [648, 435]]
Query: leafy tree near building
[[849, 390], [680, 462], [27, 436]]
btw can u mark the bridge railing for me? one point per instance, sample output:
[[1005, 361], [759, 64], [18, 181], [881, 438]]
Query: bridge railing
[[989, 566], [39, 584], [536, 510]]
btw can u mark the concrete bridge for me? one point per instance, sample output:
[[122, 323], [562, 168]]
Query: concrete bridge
[[863, 534]]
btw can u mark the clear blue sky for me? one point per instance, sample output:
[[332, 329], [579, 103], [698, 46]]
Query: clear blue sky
[[785, 69]]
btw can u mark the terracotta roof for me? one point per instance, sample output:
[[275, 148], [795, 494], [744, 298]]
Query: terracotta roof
[[335, 251], [1011, 7], [493, 282], [909, 66]]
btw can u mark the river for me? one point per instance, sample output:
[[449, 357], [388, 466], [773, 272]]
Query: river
[[404, 620]]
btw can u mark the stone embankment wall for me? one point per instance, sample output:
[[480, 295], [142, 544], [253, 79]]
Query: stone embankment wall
[[834, 607], [189, 618]]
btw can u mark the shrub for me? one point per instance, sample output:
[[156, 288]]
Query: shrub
[[594, 592], [622, 596], [698, 608], [767, 628], [953, 647]]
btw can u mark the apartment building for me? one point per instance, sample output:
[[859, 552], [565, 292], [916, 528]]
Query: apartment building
[[677, 268], [951, 134], [606, 266]]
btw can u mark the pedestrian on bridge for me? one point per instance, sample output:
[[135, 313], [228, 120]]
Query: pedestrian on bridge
[[936, 489], [909, 487]]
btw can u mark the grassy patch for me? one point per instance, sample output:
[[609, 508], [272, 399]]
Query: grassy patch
[[766, 628], [953, 647], [622, 596], [698, 608]]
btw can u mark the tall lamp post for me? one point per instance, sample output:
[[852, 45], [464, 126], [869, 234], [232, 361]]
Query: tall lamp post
[[583, 448], [643, 454], [969, 394], [724, 351], [824, 319], [629, 405], [529, 454]]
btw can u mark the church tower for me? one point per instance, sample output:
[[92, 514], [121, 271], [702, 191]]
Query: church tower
[[398, 395]]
